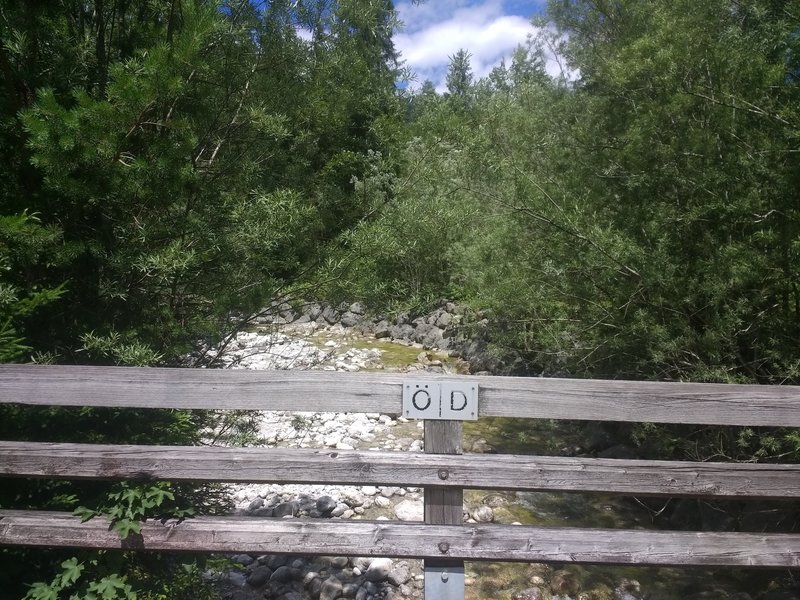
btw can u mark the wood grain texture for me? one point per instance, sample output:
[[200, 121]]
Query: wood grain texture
[[354, 467], [383, 538], [381, 392], [443, 506]]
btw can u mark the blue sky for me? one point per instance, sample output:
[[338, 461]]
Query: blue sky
[[437, 29]]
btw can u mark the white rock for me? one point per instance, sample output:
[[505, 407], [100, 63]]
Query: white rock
[[408, 510]]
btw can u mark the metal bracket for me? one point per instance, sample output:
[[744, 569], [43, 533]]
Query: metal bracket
[[444, 582]]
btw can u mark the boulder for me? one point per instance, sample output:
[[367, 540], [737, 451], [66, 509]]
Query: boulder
[[259, 577], [408, 510], [286, 509], [382, 329], [482, 514], [350, 319], [379, 569], [325, 505], [330, 315], [331, 589], [402, 332]]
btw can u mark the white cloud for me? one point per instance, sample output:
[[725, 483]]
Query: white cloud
[[436, 30]]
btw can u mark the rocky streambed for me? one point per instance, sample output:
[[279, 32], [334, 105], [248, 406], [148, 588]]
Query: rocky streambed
[[320, 344]]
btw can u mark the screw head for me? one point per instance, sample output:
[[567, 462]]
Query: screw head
[[444, 547], [443, 474], [445, 576]]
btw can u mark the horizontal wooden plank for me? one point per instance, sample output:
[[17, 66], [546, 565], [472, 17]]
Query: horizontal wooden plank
[[353, 467], [385, 538], [600, 400]]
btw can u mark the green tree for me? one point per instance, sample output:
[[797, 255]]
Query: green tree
[[459, 77]]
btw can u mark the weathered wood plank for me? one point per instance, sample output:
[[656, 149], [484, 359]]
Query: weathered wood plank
[[354, 467], [381, 392], [383, 538], [443, 506]]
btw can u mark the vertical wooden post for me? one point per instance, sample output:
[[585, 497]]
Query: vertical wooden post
[[444, 577]]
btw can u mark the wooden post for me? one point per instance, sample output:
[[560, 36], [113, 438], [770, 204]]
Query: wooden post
[[444, 577]]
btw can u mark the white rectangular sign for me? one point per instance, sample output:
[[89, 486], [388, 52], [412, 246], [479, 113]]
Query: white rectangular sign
[[450, 400]]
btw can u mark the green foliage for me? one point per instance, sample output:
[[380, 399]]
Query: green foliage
[[459, 77], [168, 167], [23, 243], [130, 505], [111, 587], [100, 578]]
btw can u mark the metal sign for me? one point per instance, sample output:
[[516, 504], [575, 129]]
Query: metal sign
[[453, 400]]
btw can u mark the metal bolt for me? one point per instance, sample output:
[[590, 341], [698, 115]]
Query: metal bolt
[[443, 474], [444, 547], [445, 576]]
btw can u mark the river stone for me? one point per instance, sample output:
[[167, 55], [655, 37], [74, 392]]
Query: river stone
[[408, 510], [286, 509], [443, 320], [357, 308], [314, 311], [349, 319], [325, 504], [382, 329], [352, 499], [371, 588], [564, 582], [349, 590], [361, 594], [340, 562], [402, 332], [379, 569], [260, 576], [264, 511], [277, 560], [283, 574], [421, 331], [331, 589], [482, 514], [432, 337], [236, 578], [330, 315], [341, 507], [382, 502], [255, 504], [314, 586], [533, 593], [243, 559], [399, 574]]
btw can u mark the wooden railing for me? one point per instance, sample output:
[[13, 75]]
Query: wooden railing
[[443, 540]]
